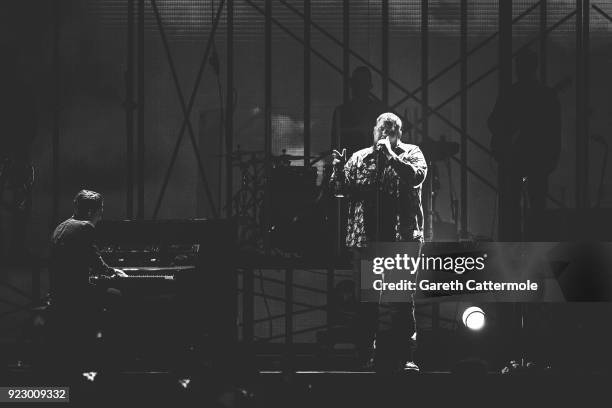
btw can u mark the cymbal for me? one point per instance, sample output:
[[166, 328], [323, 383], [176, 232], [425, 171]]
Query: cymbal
[[291, 157], [439, 150], [238, 153]]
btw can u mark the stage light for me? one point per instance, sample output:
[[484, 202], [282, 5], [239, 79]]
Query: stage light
[[184, 382], [474, 318]]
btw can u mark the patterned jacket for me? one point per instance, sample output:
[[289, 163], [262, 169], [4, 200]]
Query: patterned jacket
[[399, 203]]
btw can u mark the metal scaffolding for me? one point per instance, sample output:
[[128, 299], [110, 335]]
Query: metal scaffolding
[[134, 75], [135, 88], [134, 79], [421, 125]]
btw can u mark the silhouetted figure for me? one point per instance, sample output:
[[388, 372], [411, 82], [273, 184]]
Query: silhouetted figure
[[383, 185], [526, 140], [352, 121], [352, 130], [18, 118], [74, 259]]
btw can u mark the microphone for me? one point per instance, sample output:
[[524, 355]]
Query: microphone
[[379, 147], [381, 150], [380, 155], [380, 160]]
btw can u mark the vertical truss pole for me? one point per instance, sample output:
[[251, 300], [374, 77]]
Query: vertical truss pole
[[338, 142], [543, 41], [385, 52], [289, 356], [268, 120], [505, 46], [307, 86], [329, 304], [56, 111], [425, 67], [581, 164], [464, 106], [229, 110], [248, 305], [585, 98], [345, 55], [424, 109], [505, 82], [141, 123], [129, 112]]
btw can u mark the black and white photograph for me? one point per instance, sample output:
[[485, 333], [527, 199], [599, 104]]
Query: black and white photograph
[[305, 203]]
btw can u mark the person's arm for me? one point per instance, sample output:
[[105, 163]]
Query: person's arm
[[410, 166], [96, 263], [555, 131], [343, 175], [494, 124], [495, 121], [500, 127]]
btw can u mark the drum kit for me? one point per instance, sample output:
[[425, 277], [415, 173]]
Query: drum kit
[[294, 190], [248, 200]]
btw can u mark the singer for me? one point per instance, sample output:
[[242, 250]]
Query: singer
[[383, 186]]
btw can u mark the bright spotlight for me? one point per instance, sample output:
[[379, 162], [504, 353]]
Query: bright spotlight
[[474, 318], [184, 382]]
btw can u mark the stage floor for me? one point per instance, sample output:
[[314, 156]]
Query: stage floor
[[273, 388]]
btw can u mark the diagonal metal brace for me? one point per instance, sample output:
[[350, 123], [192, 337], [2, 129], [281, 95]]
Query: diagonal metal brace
[[603, 13], [495, 68], [453, 64], [186, 109]]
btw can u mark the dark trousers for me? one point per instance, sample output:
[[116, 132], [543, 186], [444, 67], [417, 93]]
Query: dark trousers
[[393, 346], [521, 199]]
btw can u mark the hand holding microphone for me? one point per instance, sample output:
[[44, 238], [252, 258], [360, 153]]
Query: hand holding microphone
[[383, 145], [338, 158], [338, 164]]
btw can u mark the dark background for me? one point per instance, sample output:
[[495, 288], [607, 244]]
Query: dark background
[[93, 56], [91, 95]]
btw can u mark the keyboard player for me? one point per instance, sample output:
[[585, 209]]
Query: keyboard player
[[74, 259]]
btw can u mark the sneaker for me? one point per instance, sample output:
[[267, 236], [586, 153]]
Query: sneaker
[[410, 366]]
